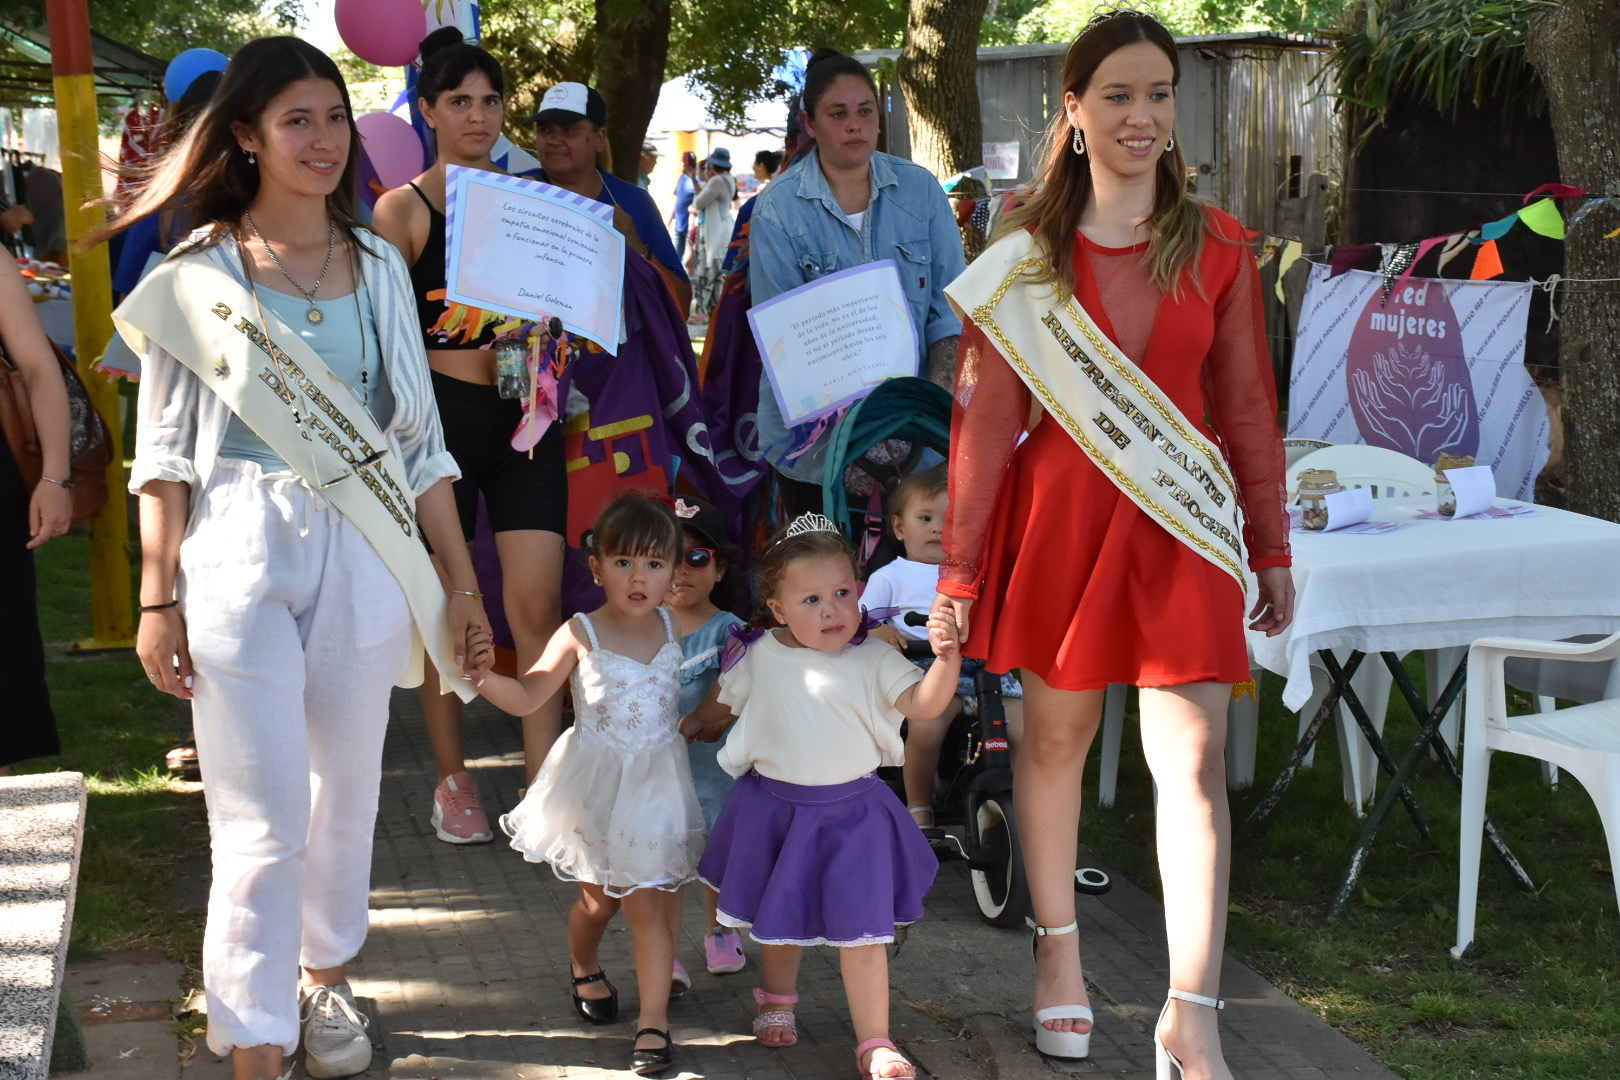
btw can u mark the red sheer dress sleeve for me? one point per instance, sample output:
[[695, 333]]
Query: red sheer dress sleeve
[[1242, 399], [988, 415]]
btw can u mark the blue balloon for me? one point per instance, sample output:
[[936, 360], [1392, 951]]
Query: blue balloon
[[185, 68]]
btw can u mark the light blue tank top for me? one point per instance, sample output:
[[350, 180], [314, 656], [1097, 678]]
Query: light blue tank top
[[337, 339]]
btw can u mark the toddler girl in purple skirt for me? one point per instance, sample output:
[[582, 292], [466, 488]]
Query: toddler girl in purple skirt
[[811, 847]]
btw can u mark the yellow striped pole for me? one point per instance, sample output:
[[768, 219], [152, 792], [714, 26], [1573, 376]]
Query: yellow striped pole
[[73, 72]]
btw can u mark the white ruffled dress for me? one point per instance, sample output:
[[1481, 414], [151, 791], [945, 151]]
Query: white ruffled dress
[[613, 804]]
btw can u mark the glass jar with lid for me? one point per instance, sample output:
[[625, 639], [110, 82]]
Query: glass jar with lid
[[1315, 485]]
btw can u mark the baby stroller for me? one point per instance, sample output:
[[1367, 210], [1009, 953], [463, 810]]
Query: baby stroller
[[904, 425]]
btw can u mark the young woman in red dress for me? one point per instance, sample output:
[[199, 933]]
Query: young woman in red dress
[[1052, 569]]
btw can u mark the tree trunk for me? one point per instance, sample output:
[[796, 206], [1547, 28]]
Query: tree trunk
[[1575, 48], [938, 61], [632, 45]]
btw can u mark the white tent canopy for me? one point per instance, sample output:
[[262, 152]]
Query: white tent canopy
[[681, 108]]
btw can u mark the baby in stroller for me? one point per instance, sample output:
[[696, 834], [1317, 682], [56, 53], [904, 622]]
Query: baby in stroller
[[915, 520]]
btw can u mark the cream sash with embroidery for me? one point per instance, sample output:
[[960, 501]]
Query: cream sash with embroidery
[[205, 319], [1123, 422]]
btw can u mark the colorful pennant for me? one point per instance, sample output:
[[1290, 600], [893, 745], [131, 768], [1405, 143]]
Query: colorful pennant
[[1543, 217], [1291, 251], [1488, 263]]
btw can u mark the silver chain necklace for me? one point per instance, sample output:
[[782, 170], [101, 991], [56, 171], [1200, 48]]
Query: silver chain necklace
[[314, 313]]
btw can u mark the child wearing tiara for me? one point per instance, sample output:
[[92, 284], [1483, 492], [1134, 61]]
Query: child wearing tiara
[[811, 847], [916, 521], [612, 807]]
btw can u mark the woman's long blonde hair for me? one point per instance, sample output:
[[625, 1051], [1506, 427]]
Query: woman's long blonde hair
[[1052, 207]]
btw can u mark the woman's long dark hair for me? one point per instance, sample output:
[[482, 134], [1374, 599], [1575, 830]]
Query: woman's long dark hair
[[207, 170], [1053, 207]]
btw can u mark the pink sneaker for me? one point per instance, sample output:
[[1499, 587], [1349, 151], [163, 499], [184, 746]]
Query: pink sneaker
[[458, 816], [722, 950]]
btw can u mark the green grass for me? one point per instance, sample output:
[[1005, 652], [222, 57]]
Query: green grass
[[115, 729], [1539, 995]]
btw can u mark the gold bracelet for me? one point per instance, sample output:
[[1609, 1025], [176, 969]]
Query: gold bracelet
[[467, 592]]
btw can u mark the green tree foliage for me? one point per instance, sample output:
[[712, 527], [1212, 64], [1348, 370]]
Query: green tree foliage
[[1011, 22], [1441, 51], [729, 47], [166, 27]]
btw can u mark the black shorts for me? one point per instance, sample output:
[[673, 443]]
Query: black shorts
[[520, 492]]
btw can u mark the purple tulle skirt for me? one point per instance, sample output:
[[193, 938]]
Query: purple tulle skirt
[[837, 865]]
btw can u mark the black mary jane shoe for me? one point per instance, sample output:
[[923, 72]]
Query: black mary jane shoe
[[595, 1010], [650, 1062]]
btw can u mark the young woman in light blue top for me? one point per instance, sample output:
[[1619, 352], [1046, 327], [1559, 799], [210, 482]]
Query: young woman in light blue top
[[843, 206]]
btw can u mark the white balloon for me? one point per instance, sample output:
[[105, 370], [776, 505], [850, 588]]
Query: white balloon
[[461, 14]]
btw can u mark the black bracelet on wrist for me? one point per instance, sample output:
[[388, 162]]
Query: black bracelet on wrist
[[159, 607]]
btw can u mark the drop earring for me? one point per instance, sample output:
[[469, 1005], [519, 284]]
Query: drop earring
[[1079, 143], [252, 160], [1170, 144]]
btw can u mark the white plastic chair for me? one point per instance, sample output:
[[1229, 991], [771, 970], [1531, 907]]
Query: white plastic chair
[[1584, 739], [1242, 735], [1387, 474], [1294, 449]]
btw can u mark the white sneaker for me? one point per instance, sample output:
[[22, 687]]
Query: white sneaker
[[335, 1039]]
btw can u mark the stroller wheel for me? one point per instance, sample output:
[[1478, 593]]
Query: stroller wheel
[[996, 865]]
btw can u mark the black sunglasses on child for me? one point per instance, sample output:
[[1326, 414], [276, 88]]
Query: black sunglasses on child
[[698, 557]]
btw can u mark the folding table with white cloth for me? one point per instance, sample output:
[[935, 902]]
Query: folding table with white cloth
[[1431, 584]]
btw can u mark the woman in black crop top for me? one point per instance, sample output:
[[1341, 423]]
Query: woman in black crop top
[[461, 88]]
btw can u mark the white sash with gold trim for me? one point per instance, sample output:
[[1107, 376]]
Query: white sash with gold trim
[[206, 319], [1123, 422]]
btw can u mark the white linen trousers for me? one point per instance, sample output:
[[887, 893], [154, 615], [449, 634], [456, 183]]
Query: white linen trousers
[[297, 631]]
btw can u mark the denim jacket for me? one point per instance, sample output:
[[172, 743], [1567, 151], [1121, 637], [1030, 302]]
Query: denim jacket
[[799, 234]]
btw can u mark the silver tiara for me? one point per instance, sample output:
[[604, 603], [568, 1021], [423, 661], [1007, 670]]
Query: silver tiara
[[809, 523], [1103, 12]]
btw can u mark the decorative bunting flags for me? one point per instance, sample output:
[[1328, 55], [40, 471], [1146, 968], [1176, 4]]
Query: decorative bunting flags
[[1543, 217], [1346, 256], [1611, 236], [1488, 263], [1556, 191], [1456, 243], [1291, 251], [1397, 262], [1423, 247], [1495, 230]]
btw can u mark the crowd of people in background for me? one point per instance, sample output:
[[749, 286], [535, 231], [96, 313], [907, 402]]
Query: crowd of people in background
[[725, 731]]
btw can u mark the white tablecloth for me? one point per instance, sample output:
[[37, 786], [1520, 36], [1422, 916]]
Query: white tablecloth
[[1442, 583]]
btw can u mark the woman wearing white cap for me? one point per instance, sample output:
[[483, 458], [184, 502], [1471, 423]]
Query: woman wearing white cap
[[570, 136]]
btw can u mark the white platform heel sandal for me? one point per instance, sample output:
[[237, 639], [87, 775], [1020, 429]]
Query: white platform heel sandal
[[1059, 1044], [1167, 1065]]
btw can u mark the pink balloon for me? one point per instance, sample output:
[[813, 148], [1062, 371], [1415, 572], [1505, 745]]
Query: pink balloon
[[383, 32], [393, 147]]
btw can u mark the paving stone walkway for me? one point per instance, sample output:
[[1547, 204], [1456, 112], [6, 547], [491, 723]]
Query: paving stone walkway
[[465, 970]]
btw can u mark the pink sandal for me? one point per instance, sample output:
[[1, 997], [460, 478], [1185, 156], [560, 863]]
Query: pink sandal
[[777, 1018], [869, 1071]]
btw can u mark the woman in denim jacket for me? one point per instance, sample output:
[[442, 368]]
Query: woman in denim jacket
[[843, 205]]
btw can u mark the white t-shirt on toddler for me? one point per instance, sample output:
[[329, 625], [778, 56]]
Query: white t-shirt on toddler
[[907, 585]]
